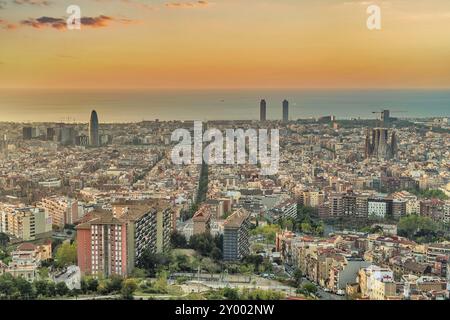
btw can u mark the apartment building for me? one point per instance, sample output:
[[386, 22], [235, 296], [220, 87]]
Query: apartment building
[[435, 250], [202, 220], [350, 204], [236, 243], [285, 209], [417, 286], [336, 205], [433, 209], [447, 212], [62, 210], [112, 242], [149, 226], [376, 283], [102, 247], [312, 198], [398, 208], [412, 204], [25, 223], [379, 208]]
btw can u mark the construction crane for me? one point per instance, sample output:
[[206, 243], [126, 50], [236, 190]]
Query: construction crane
[[385, 114]]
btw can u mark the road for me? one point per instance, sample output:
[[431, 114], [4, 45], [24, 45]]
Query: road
[[322, 294]]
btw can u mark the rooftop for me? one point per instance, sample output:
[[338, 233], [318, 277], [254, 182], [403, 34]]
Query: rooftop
[[236, 219]]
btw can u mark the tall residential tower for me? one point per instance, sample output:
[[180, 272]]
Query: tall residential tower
[[285, 111], [262, 110]]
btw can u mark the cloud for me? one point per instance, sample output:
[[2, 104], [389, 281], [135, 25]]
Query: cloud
[[41, 3], [187, 5], [7, 25], [56, 23], [60, 23], [96, 22]]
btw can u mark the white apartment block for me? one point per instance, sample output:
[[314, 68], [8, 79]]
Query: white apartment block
[[377, 209]]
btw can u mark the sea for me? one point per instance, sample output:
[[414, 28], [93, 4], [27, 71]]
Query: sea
[[75, 105]]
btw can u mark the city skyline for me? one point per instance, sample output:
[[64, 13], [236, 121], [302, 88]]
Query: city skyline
[[136, 105], [225, 44], [223, 151]]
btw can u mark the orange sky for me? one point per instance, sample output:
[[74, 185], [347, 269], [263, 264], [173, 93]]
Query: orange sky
[[226, 44]]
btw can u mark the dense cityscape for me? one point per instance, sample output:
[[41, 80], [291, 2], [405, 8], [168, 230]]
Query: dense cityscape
[[359, 210]]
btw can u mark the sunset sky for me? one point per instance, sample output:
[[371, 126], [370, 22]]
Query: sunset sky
[[225, 44]]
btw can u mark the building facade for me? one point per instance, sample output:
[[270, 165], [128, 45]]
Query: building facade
[[236, 236]]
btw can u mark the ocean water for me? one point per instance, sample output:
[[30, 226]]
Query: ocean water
[[137, 105]]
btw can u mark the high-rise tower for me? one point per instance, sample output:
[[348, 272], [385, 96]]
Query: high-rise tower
[[94, 139], [262, 110], [285, 111]]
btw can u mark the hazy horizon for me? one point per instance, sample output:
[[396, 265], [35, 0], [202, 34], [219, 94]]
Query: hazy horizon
[[114, 106]]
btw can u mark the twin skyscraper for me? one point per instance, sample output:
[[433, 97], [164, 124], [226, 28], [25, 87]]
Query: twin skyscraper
[[263, 111]]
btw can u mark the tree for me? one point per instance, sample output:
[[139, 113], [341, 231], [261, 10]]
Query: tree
[[139, 273], [306, 227], [25, 288], [309, 288], [430, 194], [305, 213], [114, 283], [4, 239], [41, 287], [216, 254], [161, 282], [62, 289], [7, 287], [209, 265], [255, 260], [129, 286], [83, 285], [298, 276], [320, 229], [286, 223], [102, 288], [151, 261], [51, 288], [207, 245], [260, 294], [203, 243], [178, 240], [421, 229], [43, 273], [56, 243], [268, 231], [231, 294], [75, 292], [92, 284], [66, 254]]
